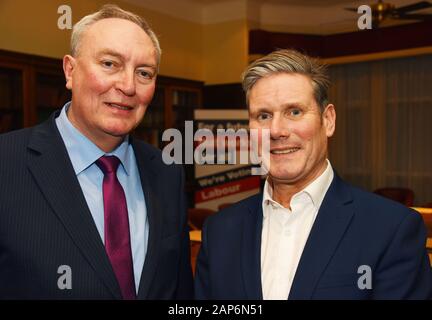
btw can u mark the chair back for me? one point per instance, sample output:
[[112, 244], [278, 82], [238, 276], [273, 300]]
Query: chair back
[[224, 205], [401, 195]]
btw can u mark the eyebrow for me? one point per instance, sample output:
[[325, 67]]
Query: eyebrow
[[294, 105], [118, 55], [110, 52], [284, 106], [256, 113]]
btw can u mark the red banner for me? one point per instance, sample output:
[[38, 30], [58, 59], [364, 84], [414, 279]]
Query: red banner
[[227, 189]]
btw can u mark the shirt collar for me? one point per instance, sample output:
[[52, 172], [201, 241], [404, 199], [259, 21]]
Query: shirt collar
[[82, 151], [316, 190]]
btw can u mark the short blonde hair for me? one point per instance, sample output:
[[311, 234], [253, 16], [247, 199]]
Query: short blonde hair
[[289, 61], [111, 11]]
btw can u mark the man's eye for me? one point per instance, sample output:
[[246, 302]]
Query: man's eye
[[108, 64], [295, 112], [145, 74], [263, 116]]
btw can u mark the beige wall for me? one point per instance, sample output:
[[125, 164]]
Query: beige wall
[[214, 53], [225, 51], [31, 27]]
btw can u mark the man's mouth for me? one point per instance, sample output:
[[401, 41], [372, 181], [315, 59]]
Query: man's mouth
[[285, 150], [120, 106]]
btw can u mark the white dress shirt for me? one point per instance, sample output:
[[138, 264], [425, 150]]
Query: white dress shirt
[[285, 232]]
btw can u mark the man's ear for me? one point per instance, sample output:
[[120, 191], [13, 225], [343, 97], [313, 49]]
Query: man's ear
[[69, 63], [329, 120]]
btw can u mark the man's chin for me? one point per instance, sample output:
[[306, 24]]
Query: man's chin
[[118, 130], [284, 177]]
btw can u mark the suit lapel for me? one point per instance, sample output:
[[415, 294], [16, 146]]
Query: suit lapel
[[52, 170], [151, 188], [332, 220], [251, 249]]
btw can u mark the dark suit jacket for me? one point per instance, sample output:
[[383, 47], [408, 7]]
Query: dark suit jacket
[[352, 228], [45, 223]]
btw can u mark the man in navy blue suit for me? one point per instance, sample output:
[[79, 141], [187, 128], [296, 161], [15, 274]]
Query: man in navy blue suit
[[86, 211], [309, 235]]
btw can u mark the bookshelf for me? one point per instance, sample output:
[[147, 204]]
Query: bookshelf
[[11, 102]]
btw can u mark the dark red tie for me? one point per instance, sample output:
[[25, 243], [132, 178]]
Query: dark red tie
[[117, 237]]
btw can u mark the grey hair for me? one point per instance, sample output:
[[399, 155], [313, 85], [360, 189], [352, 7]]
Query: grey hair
[[112, 11], [289, 61]]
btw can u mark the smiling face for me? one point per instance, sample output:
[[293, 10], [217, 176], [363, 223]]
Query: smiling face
[[112, 79], [284, 103]]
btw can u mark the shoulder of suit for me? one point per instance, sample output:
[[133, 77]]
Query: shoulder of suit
[[148, 148], [237, 210], [377, 208], [16, 134], [14, 141], [154, 154]]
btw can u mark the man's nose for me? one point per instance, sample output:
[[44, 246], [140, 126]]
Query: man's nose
[[126, 82], [279, 127]]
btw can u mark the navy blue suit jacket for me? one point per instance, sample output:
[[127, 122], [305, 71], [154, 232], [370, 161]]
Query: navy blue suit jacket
[[45, 223], [352, 228]]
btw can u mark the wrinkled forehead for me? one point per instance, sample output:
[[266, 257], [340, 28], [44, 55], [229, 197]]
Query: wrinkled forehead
[[289, 87], [118, 35]]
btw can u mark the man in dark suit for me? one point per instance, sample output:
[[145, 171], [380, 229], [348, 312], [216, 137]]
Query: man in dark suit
[[309, 235], [87, 212]]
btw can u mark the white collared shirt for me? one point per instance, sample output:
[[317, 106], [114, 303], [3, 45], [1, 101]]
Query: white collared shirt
[[285, 232]]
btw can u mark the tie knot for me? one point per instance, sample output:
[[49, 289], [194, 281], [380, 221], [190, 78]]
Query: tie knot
[[108, 164]]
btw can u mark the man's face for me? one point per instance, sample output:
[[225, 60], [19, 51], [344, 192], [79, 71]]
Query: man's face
[[284, 104], [112, 79]]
